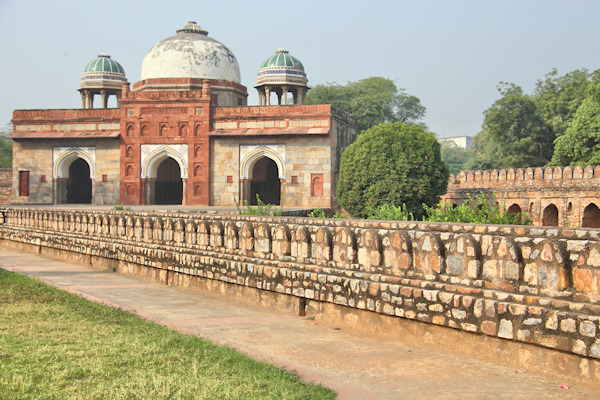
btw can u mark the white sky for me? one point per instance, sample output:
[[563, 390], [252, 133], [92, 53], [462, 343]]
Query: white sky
[[450, 54]]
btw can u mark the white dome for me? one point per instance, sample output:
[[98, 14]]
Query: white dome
[[191, 54]]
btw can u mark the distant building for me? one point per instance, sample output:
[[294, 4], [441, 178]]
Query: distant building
[[464, 142], [183, 134]]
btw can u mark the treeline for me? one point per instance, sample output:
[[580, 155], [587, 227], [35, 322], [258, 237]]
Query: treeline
[[557, 124], [5, 146]]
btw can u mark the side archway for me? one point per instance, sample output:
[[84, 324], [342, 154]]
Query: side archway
[[262, 169], [591, 216], [73, 170]]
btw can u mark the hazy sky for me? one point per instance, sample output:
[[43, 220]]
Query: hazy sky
[[450, 54]]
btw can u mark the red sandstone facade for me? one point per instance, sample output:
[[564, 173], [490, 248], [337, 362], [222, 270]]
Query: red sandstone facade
[[561, 196]]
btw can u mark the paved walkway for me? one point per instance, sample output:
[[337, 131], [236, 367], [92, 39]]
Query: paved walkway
[[357, 367]]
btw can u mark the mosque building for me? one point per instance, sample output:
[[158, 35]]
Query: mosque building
[[183, 134]]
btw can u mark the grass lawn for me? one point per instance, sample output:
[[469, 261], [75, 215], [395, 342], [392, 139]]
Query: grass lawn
[[55, 345]]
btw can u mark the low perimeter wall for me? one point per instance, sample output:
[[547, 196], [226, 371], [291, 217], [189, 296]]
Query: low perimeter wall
[[533, 286]]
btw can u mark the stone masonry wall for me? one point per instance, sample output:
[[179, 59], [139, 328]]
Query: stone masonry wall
[[5, 185], [570, 189], [36, 156], [522, 284]]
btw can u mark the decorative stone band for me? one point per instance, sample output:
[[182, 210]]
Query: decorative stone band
[[524, 284]]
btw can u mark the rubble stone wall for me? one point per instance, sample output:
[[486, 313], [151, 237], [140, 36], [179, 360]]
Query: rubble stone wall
[[5, 185], [532, 285]]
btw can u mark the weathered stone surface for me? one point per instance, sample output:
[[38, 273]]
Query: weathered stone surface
[[296, 257]]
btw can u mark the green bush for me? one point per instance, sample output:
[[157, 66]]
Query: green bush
[[464, 213], [391, 163]]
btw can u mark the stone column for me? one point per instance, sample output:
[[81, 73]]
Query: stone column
[[89, 99], [82, 98], [268, 96], [301, 96], [104, 98], [284, 93]]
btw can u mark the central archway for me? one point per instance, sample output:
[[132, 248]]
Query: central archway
[[79, 184], [265, 182], [550, 216], [168, 187]]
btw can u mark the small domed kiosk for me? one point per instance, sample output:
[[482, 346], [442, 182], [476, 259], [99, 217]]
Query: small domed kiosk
[[281, 74], [103, 76]]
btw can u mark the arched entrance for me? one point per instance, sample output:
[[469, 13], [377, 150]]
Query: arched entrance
[[168, 187], [79, 183], [265, 182], [591, 217], [514, 209], [550, 216]]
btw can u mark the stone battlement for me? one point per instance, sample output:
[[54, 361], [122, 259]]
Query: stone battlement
[[543, 176], [560, 196], [525, 284]]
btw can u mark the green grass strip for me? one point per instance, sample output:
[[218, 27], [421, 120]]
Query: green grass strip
[[56, 345]]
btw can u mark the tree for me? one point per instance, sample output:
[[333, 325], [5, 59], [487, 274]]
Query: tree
[[6, 146], [391, 163], [557, 98], [516, 132], [484, 153], [454, 156], [580, 145], [371, 101]]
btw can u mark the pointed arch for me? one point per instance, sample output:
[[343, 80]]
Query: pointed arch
[[157, 154], [64, 157], [258, 152]]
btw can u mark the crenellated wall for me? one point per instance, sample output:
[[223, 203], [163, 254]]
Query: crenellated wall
[[532, 285], [560, 196]]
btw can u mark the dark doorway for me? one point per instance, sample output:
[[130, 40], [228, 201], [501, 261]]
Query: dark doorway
[[550, 216], [79, 183], [591, 217], [168, 188], [265, 182], [514, 209]]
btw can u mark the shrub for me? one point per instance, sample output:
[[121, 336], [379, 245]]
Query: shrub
[[464, 213], [391, 163], [260, 209]]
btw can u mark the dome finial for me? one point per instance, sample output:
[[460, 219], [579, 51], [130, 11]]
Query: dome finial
[[192, 27]]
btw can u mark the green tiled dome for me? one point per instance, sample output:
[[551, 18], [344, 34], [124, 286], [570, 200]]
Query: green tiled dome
[[103, 73], [103, 63], [282, 69], [282, 58]]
